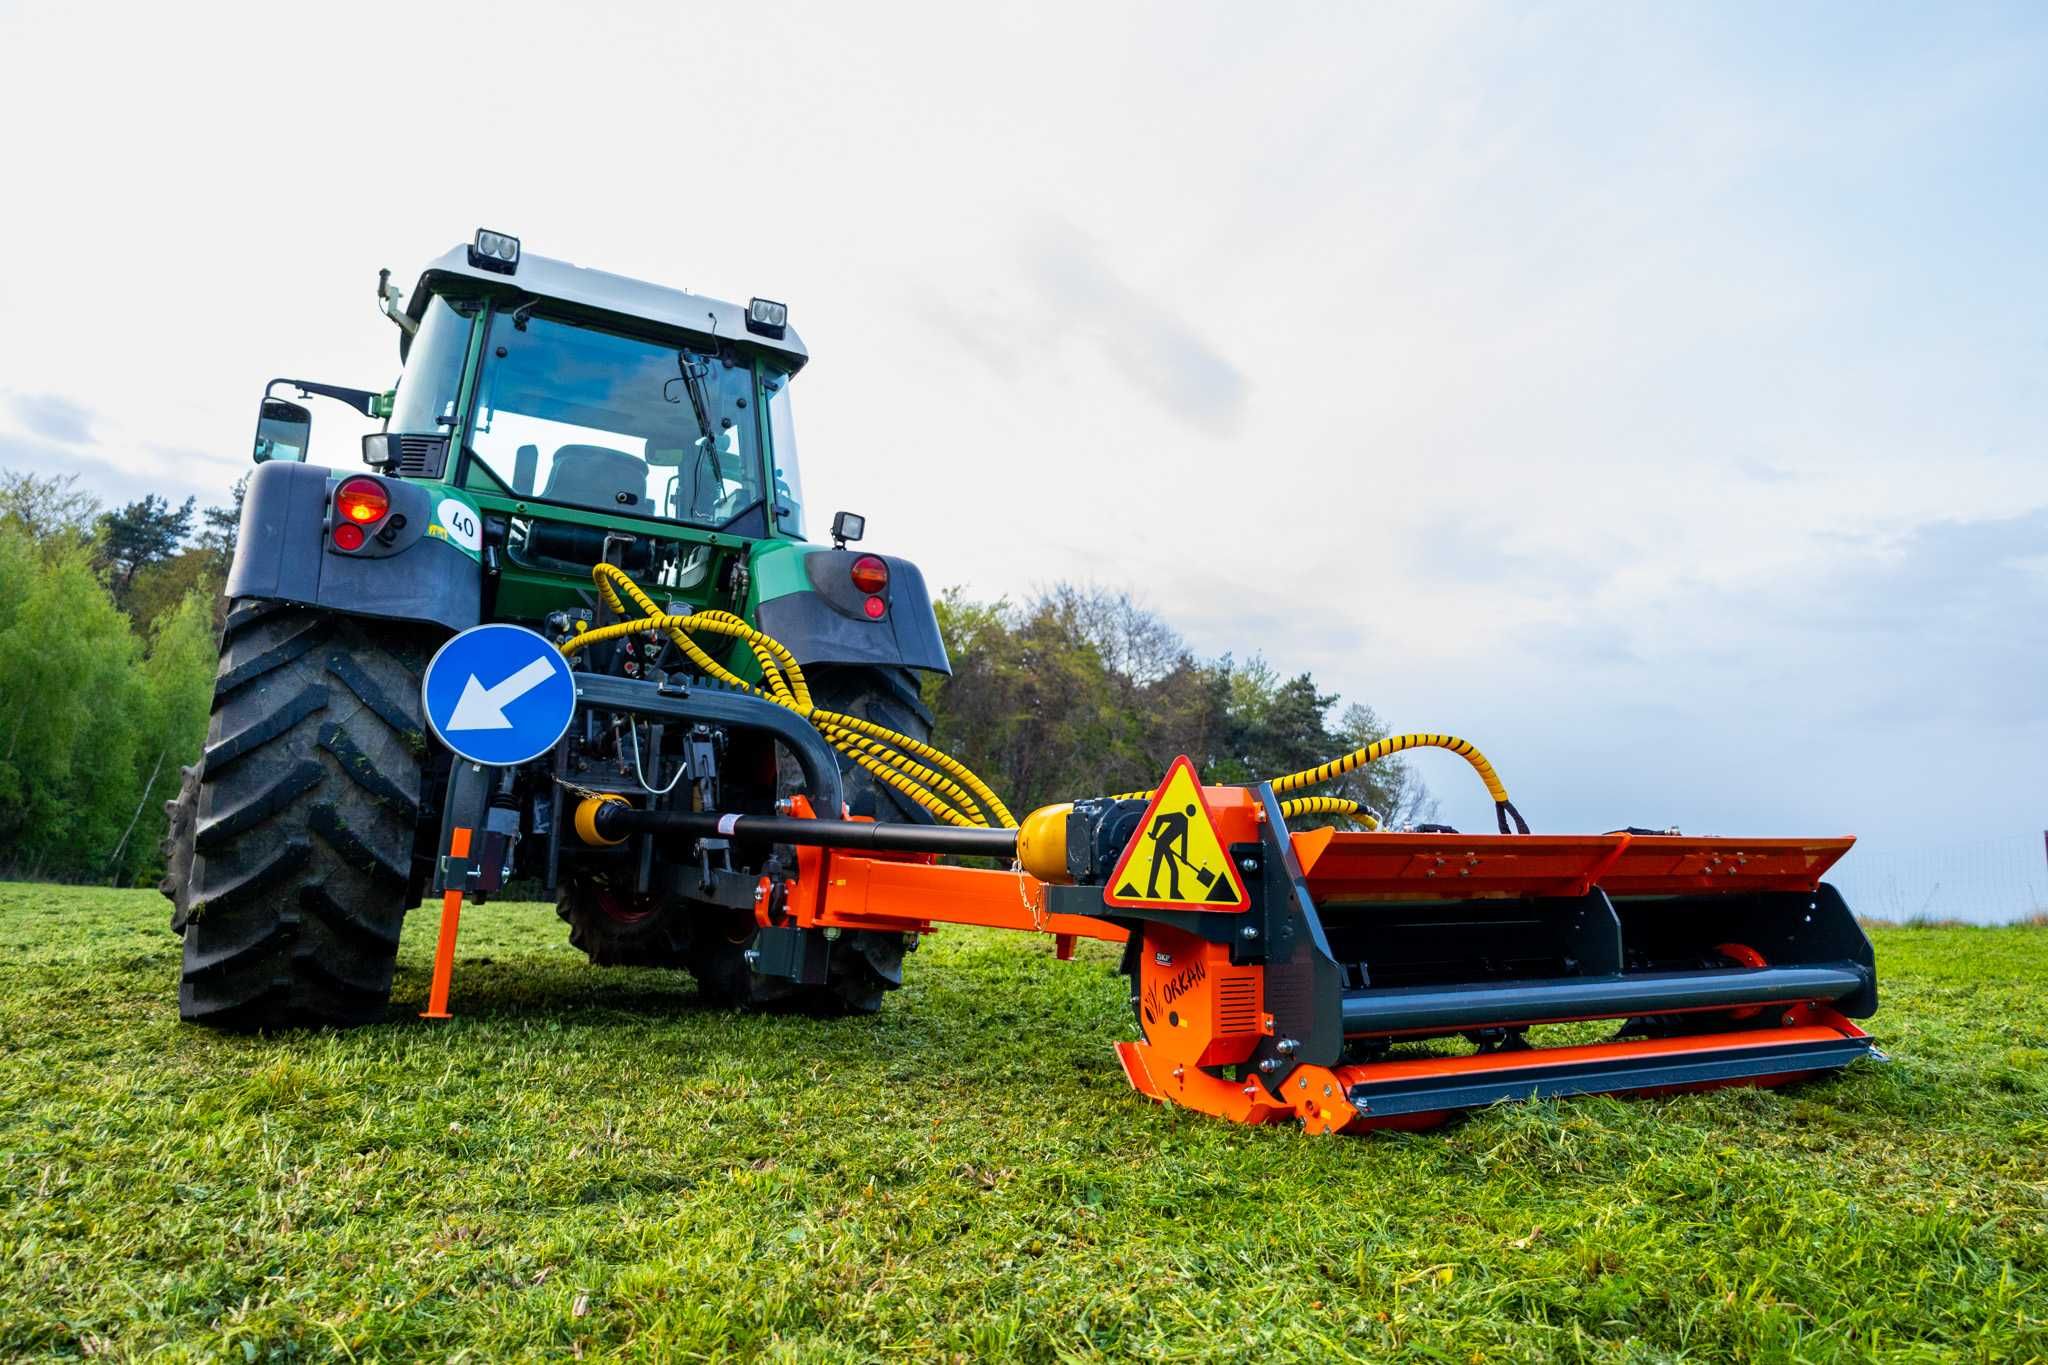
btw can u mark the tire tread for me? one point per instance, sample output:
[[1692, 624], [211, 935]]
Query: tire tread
[[300, 857]]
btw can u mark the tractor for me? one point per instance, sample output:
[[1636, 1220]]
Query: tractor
[[738, 779], [546, 418]]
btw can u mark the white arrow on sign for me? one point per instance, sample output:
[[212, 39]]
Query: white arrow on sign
[[483, 708]]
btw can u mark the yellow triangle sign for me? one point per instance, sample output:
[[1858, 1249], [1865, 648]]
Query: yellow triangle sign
[[1175, 861]]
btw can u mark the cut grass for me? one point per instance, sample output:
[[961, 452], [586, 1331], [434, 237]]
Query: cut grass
[[585, 1161]]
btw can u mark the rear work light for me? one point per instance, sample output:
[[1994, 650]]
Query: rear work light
[[870, 573], [768, 318], [494, 251], [361, 501]]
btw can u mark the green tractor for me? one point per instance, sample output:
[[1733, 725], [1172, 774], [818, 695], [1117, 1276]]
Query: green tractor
[[547, 419]]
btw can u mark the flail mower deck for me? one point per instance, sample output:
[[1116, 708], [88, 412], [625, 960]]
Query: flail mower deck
[[1281, 975]]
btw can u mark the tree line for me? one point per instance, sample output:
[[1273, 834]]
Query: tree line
[[1080, 691], [107, 640], [109, 622]]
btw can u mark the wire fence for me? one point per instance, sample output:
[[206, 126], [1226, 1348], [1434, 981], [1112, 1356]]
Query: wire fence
[[1987, 881]]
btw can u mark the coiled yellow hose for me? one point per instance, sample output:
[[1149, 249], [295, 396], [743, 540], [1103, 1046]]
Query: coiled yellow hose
[[1503, 808], [1328, 805], [1394, 744], [939, 784]]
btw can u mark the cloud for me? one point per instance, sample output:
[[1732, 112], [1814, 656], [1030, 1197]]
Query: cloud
[[1084, 298], [1898, 680], [111, 484], [53, 417], [1948, 622]]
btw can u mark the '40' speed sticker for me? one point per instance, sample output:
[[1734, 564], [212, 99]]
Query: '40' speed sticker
[[460, 521]]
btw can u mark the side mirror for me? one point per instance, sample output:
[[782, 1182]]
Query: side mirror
[[283, 430], [847, 526]]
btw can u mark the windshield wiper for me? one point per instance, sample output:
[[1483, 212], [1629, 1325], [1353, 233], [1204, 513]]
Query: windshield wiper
[[693, 384]]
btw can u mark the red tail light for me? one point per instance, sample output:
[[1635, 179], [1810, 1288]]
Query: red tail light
[[348, 536], [870, 574], [361, 501]]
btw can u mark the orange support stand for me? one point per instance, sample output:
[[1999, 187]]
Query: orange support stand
[[451, 918]]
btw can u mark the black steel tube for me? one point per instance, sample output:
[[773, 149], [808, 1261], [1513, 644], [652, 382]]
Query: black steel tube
[[820, 765], [615, 821], [1424, 1094], [1409, 1009]]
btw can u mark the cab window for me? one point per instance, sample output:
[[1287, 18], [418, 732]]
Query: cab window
[[594, 419]]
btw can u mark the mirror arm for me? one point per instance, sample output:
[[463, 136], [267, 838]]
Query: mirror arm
[[362, 400], [392, 304]]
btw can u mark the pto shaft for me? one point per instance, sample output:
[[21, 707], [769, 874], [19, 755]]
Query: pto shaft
[[609, 821]]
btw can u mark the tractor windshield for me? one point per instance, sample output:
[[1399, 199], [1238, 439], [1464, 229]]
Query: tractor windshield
[[612, 423]]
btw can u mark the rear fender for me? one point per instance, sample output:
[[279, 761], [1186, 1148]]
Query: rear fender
[[804, 596], [430, 570]]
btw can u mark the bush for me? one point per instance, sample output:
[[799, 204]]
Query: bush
[[96, 715]]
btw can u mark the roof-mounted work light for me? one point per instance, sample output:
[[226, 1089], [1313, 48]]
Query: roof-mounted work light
[[767, 317], [494, 251]]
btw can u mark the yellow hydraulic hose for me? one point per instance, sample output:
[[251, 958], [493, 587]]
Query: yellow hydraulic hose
[[941, 784], [1328, 805], [935, 781], [785, 683], [847, 741], [1394, 744], [786, 687]]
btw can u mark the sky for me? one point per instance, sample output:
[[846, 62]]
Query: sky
[[1656, 396]]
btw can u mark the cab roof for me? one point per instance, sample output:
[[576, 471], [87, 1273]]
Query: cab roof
[[601, 292]]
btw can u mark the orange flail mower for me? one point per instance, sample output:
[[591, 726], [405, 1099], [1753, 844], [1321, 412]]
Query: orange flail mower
[[1280, 975]]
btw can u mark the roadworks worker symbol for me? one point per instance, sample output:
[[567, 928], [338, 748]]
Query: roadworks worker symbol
[[1175, 861]]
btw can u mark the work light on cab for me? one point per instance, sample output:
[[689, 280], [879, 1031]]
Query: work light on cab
[[494, 251], [362, 501], [768, 318]]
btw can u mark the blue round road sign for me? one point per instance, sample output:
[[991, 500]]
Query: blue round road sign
[[499, 695]]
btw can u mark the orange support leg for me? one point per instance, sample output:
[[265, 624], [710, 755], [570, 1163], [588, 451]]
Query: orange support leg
[[451, 917]]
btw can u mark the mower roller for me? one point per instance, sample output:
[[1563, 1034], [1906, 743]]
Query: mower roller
[[744, 784]]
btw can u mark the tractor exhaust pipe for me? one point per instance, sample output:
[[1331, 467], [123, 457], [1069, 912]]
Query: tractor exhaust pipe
[[606, 820]]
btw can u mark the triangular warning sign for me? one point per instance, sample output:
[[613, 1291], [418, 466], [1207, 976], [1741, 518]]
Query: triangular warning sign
[[1175, 861]]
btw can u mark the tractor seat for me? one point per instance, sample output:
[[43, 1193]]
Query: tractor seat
[[596, 476]]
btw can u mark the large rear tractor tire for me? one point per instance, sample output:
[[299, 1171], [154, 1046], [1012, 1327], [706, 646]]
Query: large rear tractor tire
[[294, 847], [862, 968], [618, 927]]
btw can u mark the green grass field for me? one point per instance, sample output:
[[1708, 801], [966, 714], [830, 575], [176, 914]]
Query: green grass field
[[587, 1163]]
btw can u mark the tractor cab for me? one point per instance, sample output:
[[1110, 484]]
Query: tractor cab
[[596, 416], [587, 416]]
